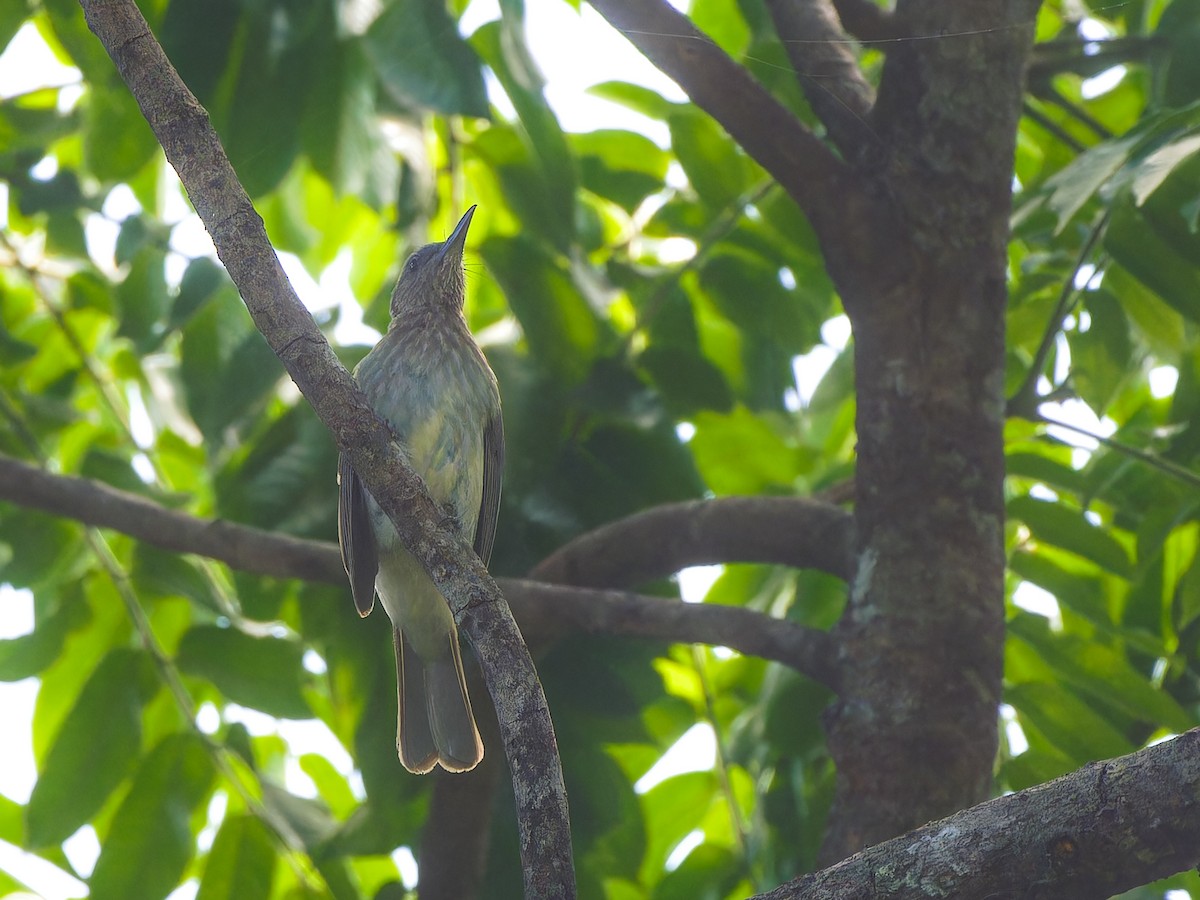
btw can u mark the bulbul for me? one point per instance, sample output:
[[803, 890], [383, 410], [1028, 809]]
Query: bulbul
[[429, 380]]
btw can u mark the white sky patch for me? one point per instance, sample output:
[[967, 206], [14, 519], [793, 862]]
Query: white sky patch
[[1079, 414], [685, 431], [809, 369], [16, 611], [406, 863], [1041, 492], [1017, 742], [695, 581], [82, 849], [1162, 381], [186, 891], [835, 332], [17, 767], [1031, 598], [695, 751], [47, 880], [689, 843], [27, 64]]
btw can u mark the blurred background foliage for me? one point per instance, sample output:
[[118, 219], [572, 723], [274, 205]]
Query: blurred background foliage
[[662, 327]]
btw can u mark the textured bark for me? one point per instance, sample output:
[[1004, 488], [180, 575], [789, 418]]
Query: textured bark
[[828, 71], [1101, 830], [182, 127], [914, 734]]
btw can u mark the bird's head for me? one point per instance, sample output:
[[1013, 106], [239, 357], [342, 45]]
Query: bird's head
[[432, 278]]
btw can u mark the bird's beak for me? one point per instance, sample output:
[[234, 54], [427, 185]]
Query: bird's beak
[[458, 238]]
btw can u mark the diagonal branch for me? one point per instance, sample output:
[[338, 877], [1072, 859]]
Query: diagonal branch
[[763, 126], [1101, 830], [868, 22], [545, 611], [182, 127], [854, 223], [828, 71], [647, 546]]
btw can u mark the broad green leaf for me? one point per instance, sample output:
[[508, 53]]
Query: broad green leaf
[[1101, 672], [140, 859], [241, 863], [502, 45], [142, 297], [623, 166], [117, 141], [263, 673], [563, 332], [1071, 188], [421, 60], [27, 655], [709, 872], [673, 809], [1100, 356], [225, 365], [640, 99], [1133, 243], [740, 453], [1067, 722], [1150, 173], [1056, 524], [714, 165], [159, 573]]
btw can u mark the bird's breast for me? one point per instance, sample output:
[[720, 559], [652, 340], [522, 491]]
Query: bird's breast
[[438, 394]]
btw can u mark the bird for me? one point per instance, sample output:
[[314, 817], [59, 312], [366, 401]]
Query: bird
[[429, 380]]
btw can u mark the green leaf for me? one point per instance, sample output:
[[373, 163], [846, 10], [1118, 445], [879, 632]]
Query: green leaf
[[1151, 172], [623, 166], [1101, 672], [1067, 722], [117, 142], [649, 103], [421, 59], [142, 298], [714, 165], [162, 574], [1056, 524], [709, 872], [96, 747], [263, 673], [740, 453], [150, 841], [1133, 243], [27, 655], [502, 45], [562, 330], [1071, 188], [1100, 356], [241, 864], [226, 366]]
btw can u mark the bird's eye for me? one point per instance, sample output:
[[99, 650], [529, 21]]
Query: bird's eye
[[411, 265]]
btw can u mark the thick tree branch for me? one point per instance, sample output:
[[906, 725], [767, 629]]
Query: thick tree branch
[[829, 73], [182, 127], [658, 542], [1097, 832], [866, 21], [854, 223], [814, 177], [545, 611]]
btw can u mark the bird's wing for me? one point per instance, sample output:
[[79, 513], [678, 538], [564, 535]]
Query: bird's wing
[[357, 537], [493, 476]]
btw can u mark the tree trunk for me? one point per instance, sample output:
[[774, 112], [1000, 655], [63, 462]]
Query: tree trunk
[[914, 733]]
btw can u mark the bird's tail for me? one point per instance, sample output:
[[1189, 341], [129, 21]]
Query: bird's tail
[[435, 725]]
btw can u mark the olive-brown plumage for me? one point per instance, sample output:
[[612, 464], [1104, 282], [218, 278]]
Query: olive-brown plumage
[[429, 380]]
